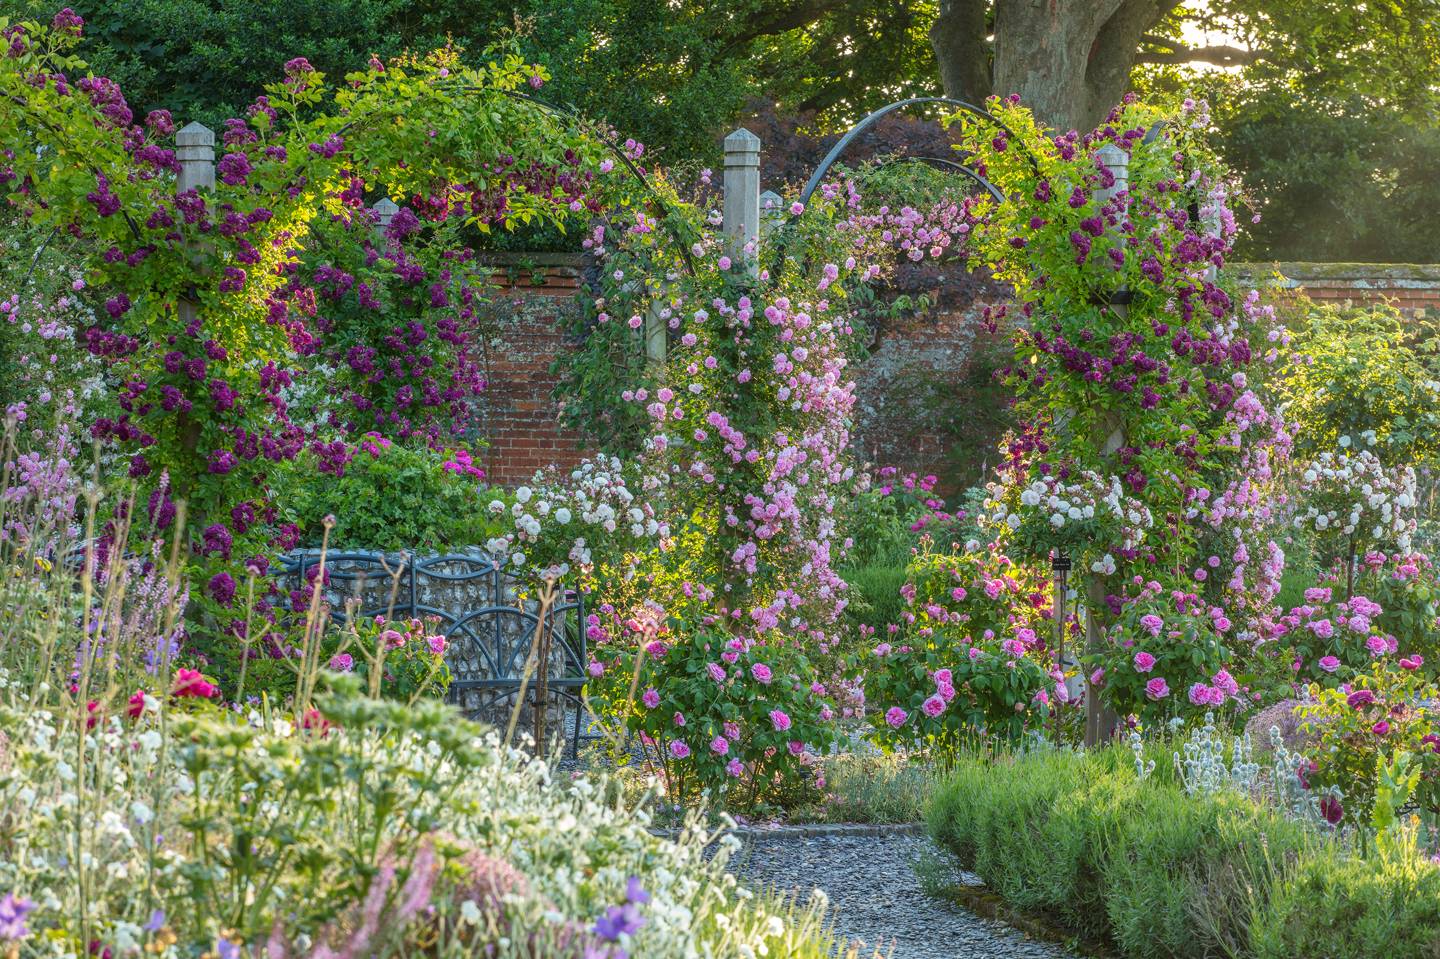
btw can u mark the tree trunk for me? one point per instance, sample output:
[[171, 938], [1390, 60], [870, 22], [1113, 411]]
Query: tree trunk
[[1069, 60], [958, 38]]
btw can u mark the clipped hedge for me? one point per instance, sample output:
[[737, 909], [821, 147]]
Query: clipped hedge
[[1081, 840]]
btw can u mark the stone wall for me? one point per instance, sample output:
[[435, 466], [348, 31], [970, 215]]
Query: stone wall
[[924, 397]]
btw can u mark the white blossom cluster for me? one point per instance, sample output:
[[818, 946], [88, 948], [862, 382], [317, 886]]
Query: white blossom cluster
[[1352, 494], [1091, 505], [556, 524]]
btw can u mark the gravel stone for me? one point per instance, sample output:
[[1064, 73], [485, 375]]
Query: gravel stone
[[876, 896]]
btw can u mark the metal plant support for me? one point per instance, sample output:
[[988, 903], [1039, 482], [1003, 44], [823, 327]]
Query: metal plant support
[[487, 615]]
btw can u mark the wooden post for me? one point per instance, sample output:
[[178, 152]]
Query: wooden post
[[385, 210], [742, 198], [195, 152], [1100, 720]]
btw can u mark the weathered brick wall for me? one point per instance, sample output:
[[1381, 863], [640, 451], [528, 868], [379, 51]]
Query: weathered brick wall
[[924, 399], [1413, 289]]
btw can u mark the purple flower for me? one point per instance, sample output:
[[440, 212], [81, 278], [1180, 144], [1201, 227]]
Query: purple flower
[[342, 663], [67, 21], [762, 674], [234, 169], [619, 921], [719, 745], [678, 749], [12, 917], [1157, 689], [1329, 663], [222, 588], [651, 698], [716, 671], [780, 720], [933, 706], [1359, 698], [1144, 662], [895, 717], [635, 893]]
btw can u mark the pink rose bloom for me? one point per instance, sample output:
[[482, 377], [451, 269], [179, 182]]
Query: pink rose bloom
[[1199, 694], [795, 746], [896, 717], [679, 719], [678, 749], [946, 691], [1377, 646], [762, 673], [719, 745], [651, 698], [1156, 689], [1329, 663], [1144, 662], [437, 645], [189, 682], [1382, 728], [944, 677], [1013, 647], [933, 706], [780, 720], [883, 649], [1152, 624], [1097, 678], [732, 731], [342, 662], [392, 638], [735, 768], [717, 672], [1412, 662], [1225, 683], [1323, 628], [597, 668]]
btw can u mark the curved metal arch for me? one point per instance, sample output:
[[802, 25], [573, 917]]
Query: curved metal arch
[[840, 147], [854, 132]]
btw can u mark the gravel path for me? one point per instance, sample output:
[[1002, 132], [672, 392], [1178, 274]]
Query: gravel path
[[877, 897]]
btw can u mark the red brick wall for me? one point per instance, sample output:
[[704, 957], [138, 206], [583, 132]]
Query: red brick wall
[[922, 402], [519, 415]]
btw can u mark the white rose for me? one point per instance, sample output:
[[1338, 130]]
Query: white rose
[[562, 516], [523, 494]]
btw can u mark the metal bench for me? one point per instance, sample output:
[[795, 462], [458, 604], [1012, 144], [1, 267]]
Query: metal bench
[[484, 612]]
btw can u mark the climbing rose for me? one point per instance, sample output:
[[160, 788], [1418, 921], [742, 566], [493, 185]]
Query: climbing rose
[[781, 721], [896, 717], [1157, 689]]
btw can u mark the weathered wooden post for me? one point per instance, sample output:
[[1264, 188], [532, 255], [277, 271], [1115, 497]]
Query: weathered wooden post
[[385, 210], [1099, 720], [742, 198], [195, 152]]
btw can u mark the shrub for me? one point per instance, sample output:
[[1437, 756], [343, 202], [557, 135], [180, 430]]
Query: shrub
[[716, 713], [1384, 713], [1334, 905], [388, 497], [1134, 860], [969, 657]]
